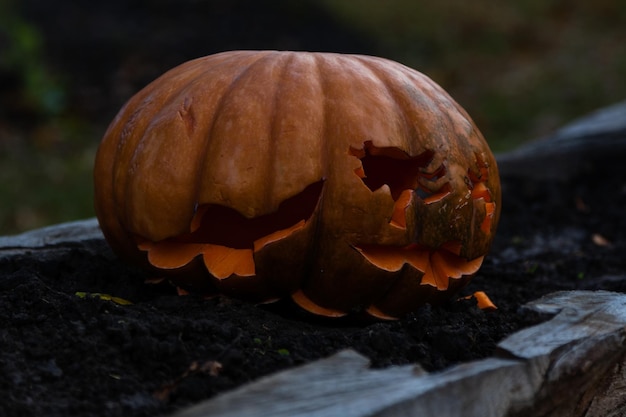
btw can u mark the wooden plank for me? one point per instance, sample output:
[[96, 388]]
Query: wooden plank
[[569, 366], [580, 353], [342, 385], [70, 232], [588, 145]]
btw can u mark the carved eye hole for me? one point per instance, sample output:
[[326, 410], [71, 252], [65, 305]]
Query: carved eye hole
[[403, 174], [391, 166]]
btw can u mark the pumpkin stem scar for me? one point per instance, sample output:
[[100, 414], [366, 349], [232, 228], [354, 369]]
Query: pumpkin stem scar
[[437, 266], [187, 115], [227, 240]]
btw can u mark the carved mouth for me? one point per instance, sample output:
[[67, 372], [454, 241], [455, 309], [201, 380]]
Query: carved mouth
[[437, 266], [227, 240]]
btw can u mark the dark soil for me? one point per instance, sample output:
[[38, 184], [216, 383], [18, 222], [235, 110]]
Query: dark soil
[[65, 354]]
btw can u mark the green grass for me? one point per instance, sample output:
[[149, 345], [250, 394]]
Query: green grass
[[45, 179]]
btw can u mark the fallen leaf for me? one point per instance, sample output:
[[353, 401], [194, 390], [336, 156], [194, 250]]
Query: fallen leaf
[[482, 300], [105, 297], [600, 240], [212, 368]]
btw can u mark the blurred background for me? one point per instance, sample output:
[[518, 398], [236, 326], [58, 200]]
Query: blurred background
[[520, 68]]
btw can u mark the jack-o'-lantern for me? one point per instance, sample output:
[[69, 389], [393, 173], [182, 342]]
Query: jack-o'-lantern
[[348, 183]]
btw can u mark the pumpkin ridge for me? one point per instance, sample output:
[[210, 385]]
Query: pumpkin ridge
[[125, 132], [311, 262], [166, 100], [214, 117], [398, 96], [372, 66], [274, 128], [129, 126], [187, 110], [318, 59]]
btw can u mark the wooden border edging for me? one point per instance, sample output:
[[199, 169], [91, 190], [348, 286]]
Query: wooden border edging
[[591, 144], [571, 365], [57, 234]]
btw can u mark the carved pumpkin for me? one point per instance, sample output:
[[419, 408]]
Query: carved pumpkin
[[349, 183]]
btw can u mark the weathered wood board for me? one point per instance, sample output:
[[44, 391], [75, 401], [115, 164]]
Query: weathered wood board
[[572, 365], [70, 233], [592, 144]]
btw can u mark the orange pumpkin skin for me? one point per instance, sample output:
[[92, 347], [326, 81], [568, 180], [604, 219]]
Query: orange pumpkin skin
[[349, 183]]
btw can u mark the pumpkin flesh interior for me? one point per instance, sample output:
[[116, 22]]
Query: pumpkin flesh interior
[[480, 191], [437, 266]]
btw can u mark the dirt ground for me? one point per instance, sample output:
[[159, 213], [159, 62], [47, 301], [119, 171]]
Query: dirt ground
[[67, 353]]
